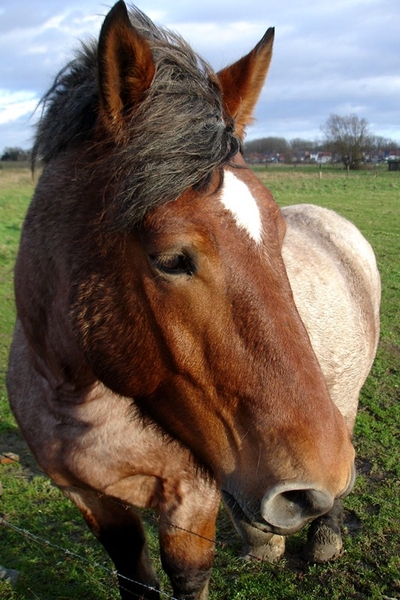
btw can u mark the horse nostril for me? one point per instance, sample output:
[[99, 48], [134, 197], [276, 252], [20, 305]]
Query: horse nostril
[[288, 509], [297, 498]]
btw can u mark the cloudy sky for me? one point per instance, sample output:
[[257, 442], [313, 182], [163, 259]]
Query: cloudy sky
[[330, 56]]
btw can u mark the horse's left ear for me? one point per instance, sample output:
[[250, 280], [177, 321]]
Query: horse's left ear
[[125, 67], [242, 82]]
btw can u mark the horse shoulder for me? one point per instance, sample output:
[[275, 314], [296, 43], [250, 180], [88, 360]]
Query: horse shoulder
[[94, 438]]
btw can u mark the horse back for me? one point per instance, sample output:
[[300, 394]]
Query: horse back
[[336, 287]]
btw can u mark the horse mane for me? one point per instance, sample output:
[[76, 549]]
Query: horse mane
[[177, 137]]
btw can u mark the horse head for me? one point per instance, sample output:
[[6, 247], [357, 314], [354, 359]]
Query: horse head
[[180, 299]]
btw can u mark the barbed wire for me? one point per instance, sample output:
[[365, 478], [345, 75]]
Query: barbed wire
[[98, 494], [157, 518], [46, 543]]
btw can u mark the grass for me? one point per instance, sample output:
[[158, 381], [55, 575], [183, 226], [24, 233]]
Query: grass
[[370, 567]]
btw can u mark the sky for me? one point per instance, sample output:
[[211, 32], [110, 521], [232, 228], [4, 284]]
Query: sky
[[330, 57]]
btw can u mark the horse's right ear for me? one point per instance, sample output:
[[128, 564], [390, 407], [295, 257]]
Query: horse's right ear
[[126, 67]]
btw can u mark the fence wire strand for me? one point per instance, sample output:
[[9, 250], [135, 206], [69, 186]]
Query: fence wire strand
[[46, 543], [114, 573]]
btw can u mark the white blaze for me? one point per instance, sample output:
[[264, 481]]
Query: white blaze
[[238, 199]]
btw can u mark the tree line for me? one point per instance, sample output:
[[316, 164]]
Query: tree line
[[15, 154], [348, 138]]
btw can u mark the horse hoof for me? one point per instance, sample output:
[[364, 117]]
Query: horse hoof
[[270, 552], [323, 545]]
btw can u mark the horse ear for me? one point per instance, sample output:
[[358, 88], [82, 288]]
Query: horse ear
[[126, 66], [242, 82]]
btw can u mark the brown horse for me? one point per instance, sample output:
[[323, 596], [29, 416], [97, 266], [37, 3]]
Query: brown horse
[[158, 356]]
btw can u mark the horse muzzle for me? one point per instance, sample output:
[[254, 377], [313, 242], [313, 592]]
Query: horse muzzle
[[287, 506]]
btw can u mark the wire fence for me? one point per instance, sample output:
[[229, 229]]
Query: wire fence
[[42, 541], [46, 543]]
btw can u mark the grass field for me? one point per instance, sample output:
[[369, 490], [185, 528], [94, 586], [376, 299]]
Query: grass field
[[56, 555]]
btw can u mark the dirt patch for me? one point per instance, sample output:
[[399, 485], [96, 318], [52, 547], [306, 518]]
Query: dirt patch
[[12, 441], [390, 348], [352, 523]]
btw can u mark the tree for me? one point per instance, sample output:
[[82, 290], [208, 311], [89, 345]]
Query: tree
[[301, 149], [384, 145], [300, 144], [15, 154], [349, 137], [269, 145]]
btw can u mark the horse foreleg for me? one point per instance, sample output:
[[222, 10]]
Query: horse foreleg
[[324, 538], [119, 529], [259, 545], [187, 547]]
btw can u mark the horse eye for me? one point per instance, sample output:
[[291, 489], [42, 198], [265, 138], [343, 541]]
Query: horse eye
[[173, 264]]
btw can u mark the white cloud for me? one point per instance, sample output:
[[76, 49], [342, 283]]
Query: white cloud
[[341, 56], [14, 105]]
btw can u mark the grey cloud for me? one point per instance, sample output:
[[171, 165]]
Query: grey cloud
[[328, 57]]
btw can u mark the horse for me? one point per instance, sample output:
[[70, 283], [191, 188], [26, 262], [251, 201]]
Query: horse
[[178, 336]]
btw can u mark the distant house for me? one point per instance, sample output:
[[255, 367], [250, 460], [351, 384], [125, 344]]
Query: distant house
[[321, 157], [324, 157]]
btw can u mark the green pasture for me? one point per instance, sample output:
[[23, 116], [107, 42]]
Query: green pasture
[[56, 556]]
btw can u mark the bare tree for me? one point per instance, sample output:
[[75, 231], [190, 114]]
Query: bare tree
[[348, 136], [382, 144], [267, 145]]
